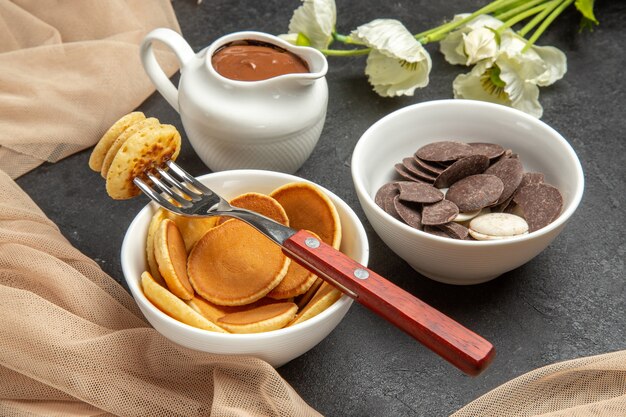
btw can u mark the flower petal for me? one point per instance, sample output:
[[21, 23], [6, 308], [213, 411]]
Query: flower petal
[[479, 44], [390, 37], [393, 77], [452, 48], [398, 63], [518, 75], [469, 86], [315, 19], [555, 60]]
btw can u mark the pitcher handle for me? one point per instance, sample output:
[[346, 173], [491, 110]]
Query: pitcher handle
[[181, 49]]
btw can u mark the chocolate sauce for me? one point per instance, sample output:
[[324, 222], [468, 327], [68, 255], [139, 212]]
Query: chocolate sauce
[[254, 61]]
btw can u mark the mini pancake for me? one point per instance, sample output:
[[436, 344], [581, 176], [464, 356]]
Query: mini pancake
[[173, 306], [297, 281], [171, 257], [262, 204], [303, 299], [153, 267], [233, 264], [325, 296], [117, 144], [152, 146], [192, 228], [260, 319], [213, 311], [309, 208], [100, 150]]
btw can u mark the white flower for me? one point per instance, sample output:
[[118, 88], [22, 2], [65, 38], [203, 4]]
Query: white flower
[[315, 19], [398, 63], [514, 76], [472, 42], [554, 59]]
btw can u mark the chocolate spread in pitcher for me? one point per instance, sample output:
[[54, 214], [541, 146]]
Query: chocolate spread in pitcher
[[254, 61]]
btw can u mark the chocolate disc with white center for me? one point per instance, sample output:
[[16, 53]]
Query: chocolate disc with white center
[[475, 192]]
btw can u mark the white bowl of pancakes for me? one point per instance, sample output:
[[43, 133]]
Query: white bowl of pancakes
[[318, 310]]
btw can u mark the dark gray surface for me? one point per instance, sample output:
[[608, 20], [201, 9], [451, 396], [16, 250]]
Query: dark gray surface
[[566, 303]]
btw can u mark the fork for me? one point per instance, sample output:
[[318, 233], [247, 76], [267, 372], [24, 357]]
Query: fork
[[458, 345]]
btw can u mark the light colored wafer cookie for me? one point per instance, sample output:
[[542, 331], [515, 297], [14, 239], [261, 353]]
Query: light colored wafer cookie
[[117, 144], [152, 146], [173, 306], [309, 208], [100, 150], [260, 319], [325, 296], [233, 264], [153, 268], [171, 257]]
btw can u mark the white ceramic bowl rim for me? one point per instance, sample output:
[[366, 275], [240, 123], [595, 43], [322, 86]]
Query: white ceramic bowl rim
[[139, 296], [460, 104]]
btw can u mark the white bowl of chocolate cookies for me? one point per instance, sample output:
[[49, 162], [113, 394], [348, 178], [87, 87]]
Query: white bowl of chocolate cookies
[[463, 190]]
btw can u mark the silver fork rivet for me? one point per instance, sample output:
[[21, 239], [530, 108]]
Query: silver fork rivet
[[361, 273], [312, 243]]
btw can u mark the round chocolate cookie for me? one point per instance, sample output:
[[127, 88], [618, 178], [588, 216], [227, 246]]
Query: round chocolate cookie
[[475, 192]]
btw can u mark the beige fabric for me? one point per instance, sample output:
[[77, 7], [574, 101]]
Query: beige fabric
[[586, 387], [73, 343], [68, 70]]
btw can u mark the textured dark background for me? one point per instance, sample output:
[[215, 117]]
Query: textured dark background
[[566, 303]]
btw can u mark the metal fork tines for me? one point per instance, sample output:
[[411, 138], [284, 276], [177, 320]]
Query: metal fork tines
[[179, 192], [189, 194]]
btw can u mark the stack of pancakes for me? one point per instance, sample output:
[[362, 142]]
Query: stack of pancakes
[[221, 274]]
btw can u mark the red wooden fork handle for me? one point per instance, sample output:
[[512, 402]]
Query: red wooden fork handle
[[460, 346]]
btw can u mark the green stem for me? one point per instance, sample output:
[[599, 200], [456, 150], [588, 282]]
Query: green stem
[[346, 39], [546, 23], [513, 12], [443, 30], [346, 52], [535, 21], [507, 24]]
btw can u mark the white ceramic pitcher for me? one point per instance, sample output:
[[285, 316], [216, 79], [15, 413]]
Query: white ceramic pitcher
[[272, 124]]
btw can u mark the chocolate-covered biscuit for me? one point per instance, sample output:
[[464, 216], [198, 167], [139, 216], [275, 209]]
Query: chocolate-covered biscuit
[[417, 192], [540, 203], [411, 165], [432, 168], [454, 230], [441, 212], [408, 175], [510, 171], [409, 212], [475, 192], [490, 150], [444, 151], [464, 167]]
